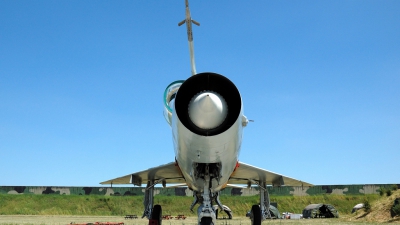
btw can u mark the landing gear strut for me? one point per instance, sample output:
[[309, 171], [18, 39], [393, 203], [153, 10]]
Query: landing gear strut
[[209, 174], [205, 212], [153, 214], [148, 200], [260, 212]]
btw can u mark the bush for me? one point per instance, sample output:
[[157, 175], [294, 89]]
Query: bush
[[388, 192], [367, 206], [394, 187], [382, 191], [396, 210]]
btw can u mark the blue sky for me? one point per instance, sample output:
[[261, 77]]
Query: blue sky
[[81, 86]]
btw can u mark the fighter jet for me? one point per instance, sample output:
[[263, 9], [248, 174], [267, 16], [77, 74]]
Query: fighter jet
[[206, 116]]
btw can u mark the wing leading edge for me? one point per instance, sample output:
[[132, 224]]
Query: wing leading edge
[[245, 172], [170, 172]]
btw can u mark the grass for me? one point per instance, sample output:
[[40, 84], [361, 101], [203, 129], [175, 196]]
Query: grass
[[62, 209], [67, 205], [95, 205], [380, 210]]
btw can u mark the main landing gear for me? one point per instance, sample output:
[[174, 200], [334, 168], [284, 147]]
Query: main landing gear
[[260, 212], [154, 214]]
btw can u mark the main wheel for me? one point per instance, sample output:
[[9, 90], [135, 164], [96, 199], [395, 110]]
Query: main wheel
[[157, 214], [255, 215], [206, 221]]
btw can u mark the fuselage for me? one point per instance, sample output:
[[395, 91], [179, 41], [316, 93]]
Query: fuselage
[[192, 148], [200, 141]]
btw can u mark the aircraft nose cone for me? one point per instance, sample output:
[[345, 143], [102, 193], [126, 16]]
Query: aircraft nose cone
[[207, 110]]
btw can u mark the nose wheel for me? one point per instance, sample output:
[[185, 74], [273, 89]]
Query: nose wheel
[[206, 221]]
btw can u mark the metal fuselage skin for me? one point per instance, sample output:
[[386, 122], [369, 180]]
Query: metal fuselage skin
[[192, 148]]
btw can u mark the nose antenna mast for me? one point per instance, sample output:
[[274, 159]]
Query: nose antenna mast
[[188, 20]]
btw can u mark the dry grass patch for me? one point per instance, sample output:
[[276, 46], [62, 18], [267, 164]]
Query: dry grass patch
[[380, 210]]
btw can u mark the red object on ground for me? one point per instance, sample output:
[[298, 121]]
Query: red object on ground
[[153, 222]]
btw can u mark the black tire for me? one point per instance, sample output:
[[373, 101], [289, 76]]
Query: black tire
[[206, 221], [216, 214], [255, 215], [157, 214]]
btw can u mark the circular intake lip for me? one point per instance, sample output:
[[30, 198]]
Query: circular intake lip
[[211, 82], [207, 110]]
